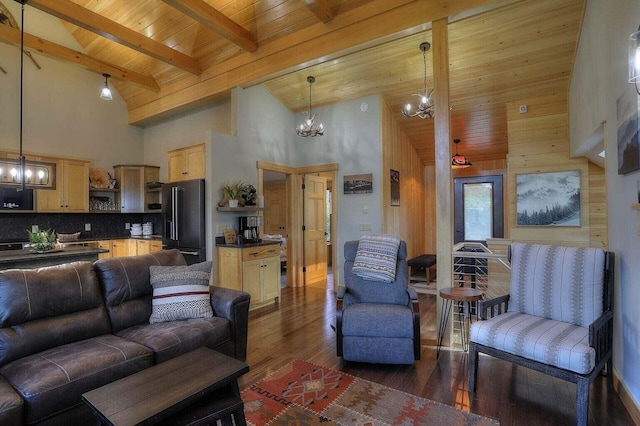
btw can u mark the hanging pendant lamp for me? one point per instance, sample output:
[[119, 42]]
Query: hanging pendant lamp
[[424, 108], [308, 126], [106, 92], [459, 161], [19, 172]]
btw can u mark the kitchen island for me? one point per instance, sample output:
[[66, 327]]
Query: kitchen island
[[27, 259]]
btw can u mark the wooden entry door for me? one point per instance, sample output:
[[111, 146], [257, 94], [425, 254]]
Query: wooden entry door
[[315, 242]]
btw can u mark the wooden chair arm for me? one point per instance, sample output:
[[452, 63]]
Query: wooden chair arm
[[601, 335], [491, 307]]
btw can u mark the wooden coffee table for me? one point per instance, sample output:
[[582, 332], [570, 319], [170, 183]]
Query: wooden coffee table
[[195, 388]]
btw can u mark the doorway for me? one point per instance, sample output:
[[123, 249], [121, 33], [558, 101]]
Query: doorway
[[478, 208], [296, 264], [317, 230]]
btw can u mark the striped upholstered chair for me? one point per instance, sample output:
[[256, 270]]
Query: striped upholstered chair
[[557, 318]]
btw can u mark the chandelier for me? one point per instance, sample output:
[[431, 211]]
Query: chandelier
[[459, 161], [309, 127], [424, 109]]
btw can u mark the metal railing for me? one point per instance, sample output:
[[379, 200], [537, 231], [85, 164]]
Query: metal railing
[[475, 266]]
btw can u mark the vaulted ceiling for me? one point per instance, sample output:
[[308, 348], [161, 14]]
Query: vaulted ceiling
[[166, 56]]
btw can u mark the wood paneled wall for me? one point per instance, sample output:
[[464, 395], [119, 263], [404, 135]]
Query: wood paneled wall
[[408, 219], [539, 142]]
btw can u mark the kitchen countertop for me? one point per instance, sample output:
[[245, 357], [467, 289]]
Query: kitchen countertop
[[247, 245], [28, 259], [84, 240]]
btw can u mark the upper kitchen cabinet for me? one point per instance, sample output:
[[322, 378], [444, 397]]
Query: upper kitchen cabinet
[[135, 195], [72, 188], [186, 163]]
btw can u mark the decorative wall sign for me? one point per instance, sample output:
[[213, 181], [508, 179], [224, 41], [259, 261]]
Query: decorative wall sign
[[358, 184], [395, 187], [628, 147], [548, 199]]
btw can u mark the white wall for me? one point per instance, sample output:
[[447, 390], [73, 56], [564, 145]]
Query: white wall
[[352, 138], [599, 79], [266, 131], [63, 113]]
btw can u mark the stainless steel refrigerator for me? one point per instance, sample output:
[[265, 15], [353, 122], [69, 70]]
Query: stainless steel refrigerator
[[183, 219]]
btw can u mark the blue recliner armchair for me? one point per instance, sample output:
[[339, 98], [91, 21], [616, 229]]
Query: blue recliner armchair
[[377, 322]]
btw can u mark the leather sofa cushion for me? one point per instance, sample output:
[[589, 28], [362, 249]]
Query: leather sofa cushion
[[170, 339], [53, 381], [48, 307], [126, 286], [11, 404]]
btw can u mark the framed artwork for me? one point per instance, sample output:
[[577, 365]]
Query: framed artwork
[[358, 184], [628, 148], [395, 187], [548, 199]]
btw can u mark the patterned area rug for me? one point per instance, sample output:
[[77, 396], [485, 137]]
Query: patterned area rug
[[303, 394]]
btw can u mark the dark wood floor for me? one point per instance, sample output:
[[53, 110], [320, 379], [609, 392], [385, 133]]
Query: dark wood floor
[[300, 328]]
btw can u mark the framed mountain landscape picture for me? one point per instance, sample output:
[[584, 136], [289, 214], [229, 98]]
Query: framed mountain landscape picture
[[548, 199]]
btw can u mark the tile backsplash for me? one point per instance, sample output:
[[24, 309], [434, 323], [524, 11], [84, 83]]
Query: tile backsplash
[[14, 226]]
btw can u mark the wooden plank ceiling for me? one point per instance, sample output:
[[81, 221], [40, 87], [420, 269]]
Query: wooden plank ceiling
[[167, 56]]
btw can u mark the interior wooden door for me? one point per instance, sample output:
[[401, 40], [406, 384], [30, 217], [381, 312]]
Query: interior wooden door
[[275, 199], [315, 242]]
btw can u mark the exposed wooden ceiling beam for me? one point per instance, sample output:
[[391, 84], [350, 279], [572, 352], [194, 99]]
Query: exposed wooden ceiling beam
[[12, 36], [320, 8], [91, 21], [216, 21], [318, 43]]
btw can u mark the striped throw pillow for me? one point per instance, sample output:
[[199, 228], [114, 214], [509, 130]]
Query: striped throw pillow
[[180, 292], [376, 258]]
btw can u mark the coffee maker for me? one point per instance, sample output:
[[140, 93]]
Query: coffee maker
[[248, 228]]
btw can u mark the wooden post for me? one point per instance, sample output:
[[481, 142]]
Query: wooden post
[[442, 122]]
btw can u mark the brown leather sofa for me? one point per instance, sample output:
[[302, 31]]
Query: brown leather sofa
[[67, 329]]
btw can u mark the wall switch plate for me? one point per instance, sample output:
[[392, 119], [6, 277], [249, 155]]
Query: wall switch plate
[[35, 228], [365, 209], [127, 225], [87, 227], [220, 229], [365, 227]]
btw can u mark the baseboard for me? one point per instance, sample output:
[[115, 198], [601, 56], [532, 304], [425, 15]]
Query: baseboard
[[627, 399]]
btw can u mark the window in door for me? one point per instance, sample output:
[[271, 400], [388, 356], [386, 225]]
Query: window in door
[[478, 208]]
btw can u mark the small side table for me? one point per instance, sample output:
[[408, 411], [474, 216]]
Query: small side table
[[456, 294]]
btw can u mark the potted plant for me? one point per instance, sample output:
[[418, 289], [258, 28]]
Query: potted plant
[[41, 241], [233, 192]]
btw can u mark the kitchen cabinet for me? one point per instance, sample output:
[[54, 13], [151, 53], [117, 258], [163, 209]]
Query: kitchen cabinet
[[103, 244], [107, 245], [72, 188], [121, 247], [255, 270], [135, 194], [146, 246], [186, 163]]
